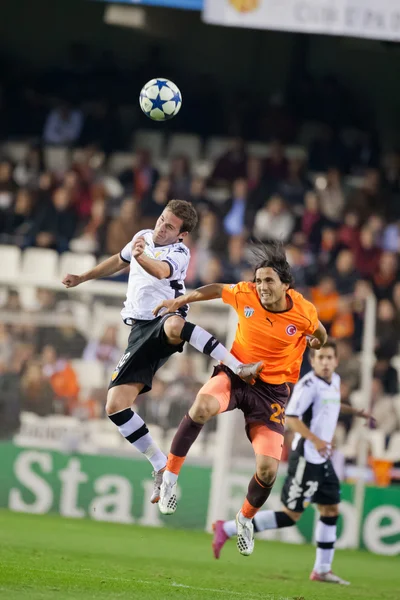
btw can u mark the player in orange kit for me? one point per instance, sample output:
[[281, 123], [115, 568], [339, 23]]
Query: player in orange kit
[[274, 322]]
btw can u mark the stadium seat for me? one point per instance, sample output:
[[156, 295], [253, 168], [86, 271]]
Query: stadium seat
[[39, 265], [216, 146], [90, 373], [296, 152], [72, 262], [149, 140], [202, 168], [376, 440], [57, 158], [183, 144], [258, 149], [16, 151], [10, 261], [119, 161]]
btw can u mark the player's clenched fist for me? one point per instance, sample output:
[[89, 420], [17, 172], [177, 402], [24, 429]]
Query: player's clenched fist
[[138, 247], [71, 281]]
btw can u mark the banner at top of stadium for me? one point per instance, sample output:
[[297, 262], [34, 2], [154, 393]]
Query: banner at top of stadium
[[375, 19]]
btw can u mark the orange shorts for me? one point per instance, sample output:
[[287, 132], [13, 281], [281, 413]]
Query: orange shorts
[[259, 411]]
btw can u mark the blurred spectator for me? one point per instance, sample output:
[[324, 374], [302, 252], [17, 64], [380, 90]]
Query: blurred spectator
[[254, 172], [154, 202], [232, 164], [62, 379], [311, 222], [295, 185], [141, 177], [197, 196], [37, 395], [274, 221], [386, 276], [276, 166], [28, 170], [7, 188], [325, 151], [55, 224], [344, 272], [9, 400], [349, 364], [235, 209], [387, 328], [325, 299], [349, 232], [91, 236], [367, 255], [384, 371], [383, 408], [329, 248], [122, 229], [332, 196], [343, 321], [391, 238], [69, 341], [6, 345], [79, 193], [105, 349], [13, 302], [180, 178], [63, 125], [19, 220]]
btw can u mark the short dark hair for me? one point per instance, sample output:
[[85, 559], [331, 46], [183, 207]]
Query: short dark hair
[[272, 255], [186, 212], [329, 344]]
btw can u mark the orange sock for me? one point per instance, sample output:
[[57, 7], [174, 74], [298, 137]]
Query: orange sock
[[175, 463], [248, 510]]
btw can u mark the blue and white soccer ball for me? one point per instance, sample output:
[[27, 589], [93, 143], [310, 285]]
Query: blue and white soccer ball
[[160, 99]]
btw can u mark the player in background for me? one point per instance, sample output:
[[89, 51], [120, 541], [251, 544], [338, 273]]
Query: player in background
[[312, 413], [158, 263], [274, 322]]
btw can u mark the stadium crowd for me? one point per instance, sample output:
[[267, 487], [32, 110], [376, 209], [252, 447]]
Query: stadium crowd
[[336, 206]]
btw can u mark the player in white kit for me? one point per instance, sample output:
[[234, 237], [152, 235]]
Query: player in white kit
[[158, 263], [312, 412]]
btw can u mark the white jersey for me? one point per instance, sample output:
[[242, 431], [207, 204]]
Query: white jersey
[[145, 292], [317, 403]]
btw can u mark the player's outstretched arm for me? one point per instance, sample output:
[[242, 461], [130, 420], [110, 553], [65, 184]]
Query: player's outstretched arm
[[346, 409], [318, 338], [206, 292], [107, 267]]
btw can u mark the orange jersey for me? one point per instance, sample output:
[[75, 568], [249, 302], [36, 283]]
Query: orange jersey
[[276, 338]]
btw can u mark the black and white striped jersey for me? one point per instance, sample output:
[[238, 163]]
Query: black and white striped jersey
[[145, 292], [317, 403]]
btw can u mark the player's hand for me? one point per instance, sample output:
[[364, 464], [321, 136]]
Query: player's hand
[[166, 306], [139, 246], [324, 448], [71, 281], [314, 343], [365, 414]]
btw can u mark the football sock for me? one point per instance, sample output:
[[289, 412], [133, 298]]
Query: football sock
[[134, 429], [206, 343], [257, 494], [264, 519], [325, 536], [185, 436], [269, 519]]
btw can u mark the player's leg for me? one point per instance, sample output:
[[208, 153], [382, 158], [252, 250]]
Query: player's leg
[[134, 429], [177, 329], [327, 498], [263, 520], [267, 445], [212, 399]]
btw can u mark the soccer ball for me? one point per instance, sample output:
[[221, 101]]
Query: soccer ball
[[160, 99]]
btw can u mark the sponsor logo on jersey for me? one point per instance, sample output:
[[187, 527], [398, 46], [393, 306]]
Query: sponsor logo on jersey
[[248, 312], [291, 329]]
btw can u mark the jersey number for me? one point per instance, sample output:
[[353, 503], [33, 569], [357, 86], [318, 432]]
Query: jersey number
[[279, 415]]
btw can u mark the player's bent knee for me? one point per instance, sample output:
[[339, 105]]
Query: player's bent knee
[[204, 408], [121, 397], [328, 510], [267, 471], [173, 328]]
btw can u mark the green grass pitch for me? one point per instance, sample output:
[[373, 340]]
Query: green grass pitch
[[48, 557]]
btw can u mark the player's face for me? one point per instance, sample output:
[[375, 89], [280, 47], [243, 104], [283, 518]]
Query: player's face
[[270, 289], [324, 363], [168, 229]]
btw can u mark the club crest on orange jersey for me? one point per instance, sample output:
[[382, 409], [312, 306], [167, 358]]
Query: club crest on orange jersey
[[248, 312], [291, 329]]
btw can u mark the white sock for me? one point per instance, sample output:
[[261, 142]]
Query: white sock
[[265, 519], [324, 556], [170, 477], [203, 341], [242, 519], [134, 430], [230, 528]]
